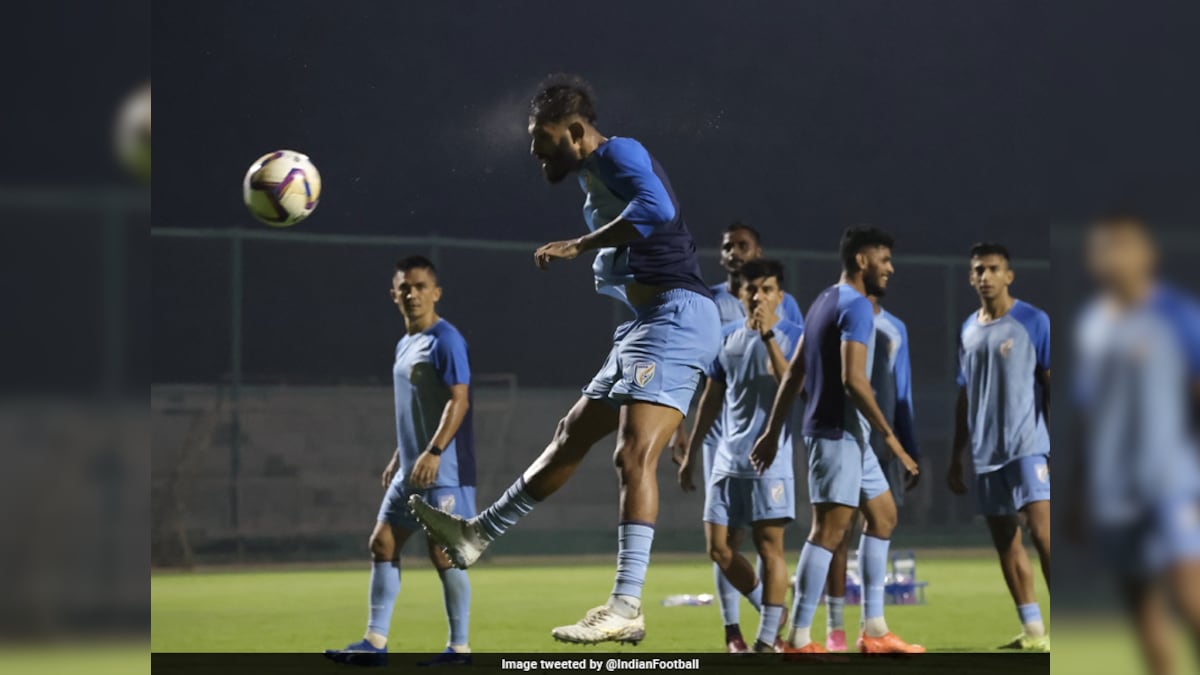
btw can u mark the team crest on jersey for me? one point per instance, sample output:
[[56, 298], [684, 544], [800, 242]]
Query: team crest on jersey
[[1006, 348], [446, 503], [1043, 473], [643, 373], [777, 493]]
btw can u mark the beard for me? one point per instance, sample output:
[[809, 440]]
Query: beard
[[873, 287], [554, 174]]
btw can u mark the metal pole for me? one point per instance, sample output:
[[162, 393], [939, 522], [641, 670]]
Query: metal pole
[[952, 324], [114, 298], [235, 350]]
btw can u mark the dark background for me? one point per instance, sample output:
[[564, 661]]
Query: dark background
[[945, 122]]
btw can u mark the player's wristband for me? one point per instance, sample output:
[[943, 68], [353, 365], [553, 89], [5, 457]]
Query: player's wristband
[[435, 451], [768, 336]]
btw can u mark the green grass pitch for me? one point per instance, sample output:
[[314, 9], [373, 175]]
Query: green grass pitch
[[515, 606]]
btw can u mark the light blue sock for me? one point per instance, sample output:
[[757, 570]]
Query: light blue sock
[[1029, 613], [768, 623], [507, 510], [836, 609], [728, 598], [755, 596], [811, 572], [385, 586], [872, 559], [633, 557], [456, 593]]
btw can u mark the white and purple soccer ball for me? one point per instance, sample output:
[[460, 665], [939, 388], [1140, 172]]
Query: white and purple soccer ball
[[282, 188]]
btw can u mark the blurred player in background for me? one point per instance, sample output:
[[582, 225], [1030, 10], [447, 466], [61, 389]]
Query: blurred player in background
[[1002, 416], [435, 457], [834, 366], [740, 243], [741, 388], [1138, 389], [647, 259], [891, 379]]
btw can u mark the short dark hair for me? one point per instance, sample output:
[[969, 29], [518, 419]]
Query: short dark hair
[[745, 227], [416, 262], [760, 268], [561, 95], [990, 248], [855, 239]]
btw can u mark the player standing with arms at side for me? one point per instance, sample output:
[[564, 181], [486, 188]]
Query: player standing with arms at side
[[435, 456], [647, 259], [740, 244], [1002, 416], [741, 388], [891, 380], [833, 366]]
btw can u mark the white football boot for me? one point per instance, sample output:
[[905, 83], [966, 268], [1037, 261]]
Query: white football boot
[[602, 624], [460, 538]]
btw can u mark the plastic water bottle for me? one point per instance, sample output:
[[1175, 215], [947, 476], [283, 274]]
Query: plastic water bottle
[[688, 600]]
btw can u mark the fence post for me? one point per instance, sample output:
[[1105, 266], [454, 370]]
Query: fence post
[[114, 298], [235, 351]]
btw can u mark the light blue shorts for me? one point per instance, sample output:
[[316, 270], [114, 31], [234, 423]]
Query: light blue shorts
[[739, 502], [394, 509], [843, 471], [661, 355], [1148, 545], [1014, 486]]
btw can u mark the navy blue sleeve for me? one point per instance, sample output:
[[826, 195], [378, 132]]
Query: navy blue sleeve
[[856, 320], [627, 170], [1184, 317], [450, 359], [904, 427], [1037, 324]]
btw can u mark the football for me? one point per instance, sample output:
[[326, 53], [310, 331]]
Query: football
[[131, 133], [282, 188]]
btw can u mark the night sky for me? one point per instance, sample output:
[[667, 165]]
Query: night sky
[[944, 122]]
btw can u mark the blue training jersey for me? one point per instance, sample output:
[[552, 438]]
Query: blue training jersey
[[839, 314], [427, 365], [997, 362], [621, 180], [731, 310], [743, 364], [891, 378], [1134, 379]]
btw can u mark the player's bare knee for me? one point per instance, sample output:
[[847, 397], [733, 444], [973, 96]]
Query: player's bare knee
[[720, 554], [881, 526], [381, 546], [630, 458]]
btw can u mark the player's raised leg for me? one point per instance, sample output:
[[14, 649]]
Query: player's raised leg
[[587, 422]]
